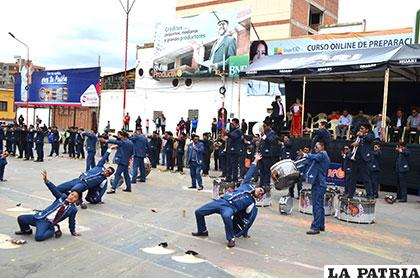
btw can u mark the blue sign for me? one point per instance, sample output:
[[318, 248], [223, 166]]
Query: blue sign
[[72, 87], [335, 175]]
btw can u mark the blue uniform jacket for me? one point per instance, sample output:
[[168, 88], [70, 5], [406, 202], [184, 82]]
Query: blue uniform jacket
[[234, 141], [125, 151], [268, 144], [374, 163], [181, 146], [90, 142], [70, 212], [321, 134], [347, 163], [72, 137], [39, 138], [365, 147], [80, 139], [169, 146], [141, 146], [401, 165], [55, 136], [241, 197], [94, 177], [30, 136], [318, 168], [286, 151], [198, 154]]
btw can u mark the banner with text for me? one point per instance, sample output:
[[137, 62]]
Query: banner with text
[[200, 45], [72, 87]]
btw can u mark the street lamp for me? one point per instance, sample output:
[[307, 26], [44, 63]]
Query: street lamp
[[27, 62], [127, 9]]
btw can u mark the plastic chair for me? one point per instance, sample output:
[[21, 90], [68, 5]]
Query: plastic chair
[[333, 128]]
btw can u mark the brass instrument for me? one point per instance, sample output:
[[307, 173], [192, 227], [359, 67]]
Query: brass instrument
[[353, 157]]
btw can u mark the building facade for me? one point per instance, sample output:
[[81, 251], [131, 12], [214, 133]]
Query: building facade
[[272, 19], [7, 109], [185, 97]]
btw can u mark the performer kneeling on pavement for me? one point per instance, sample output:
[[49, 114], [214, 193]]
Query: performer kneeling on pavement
[[46, 221], [93, 180], [317, 176], [233, 203]]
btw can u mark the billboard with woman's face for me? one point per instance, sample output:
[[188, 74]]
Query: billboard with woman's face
[[200, 45], [257, 50]]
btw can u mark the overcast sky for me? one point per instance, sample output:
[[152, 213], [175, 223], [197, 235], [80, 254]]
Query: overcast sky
[[72, 33]]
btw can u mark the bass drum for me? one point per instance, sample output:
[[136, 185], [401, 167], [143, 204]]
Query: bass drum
[[258, 128], [284, 174]]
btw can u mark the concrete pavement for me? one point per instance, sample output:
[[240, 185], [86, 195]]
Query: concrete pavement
[[114, 233]]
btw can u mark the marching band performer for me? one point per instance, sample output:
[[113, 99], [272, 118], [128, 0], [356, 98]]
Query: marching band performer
[[317, 176]]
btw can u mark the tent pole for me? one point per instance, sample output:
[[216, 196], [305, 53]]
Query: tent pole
[[384, 134], [239, 98], [303, 102]]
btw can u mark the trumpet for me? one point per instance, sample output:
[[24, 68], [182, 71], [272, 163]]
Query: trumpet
[[353, 157]]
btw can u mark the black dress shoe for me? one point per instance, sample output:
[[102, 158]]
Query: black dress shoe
[[112, 191], [192, 187], [402, 201], [142, 180], [231, 244], [28, 232], [58, 233], [206, 233], [127, 190], [312, 232], [200, 188], [322, 230], [83, 206]]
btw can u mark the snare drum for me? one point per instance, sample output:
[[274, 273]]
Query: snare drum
[[360, 210], [284, 174], [305, 202]]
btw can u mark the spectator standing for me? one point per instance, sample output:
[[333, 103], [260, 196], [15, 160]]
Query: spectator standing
[[157, 124], [277, 115], [147, 126], [188, 126], [163, 123], [214, 125], [194, 124], [126, 121], [244, 127], [138, 123]]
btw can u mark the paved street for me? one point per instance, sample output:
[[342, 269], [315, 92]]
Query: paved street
[[114, 233]]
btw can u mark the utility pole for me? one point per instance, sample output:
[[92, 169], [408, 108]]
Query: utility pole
[[127, 9]]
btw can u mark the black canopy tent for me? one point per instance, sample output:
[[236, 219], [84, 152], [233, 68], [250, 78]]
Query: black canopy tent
[[389, 63]]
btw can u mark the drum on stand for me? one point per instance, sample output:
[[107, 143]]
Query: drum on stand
[[305, 202], [360, 210], [285, 204]]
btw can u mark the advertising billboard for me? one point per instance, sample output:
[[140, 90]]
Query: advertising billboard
[[321, 43], [71, 87], [200, 45]]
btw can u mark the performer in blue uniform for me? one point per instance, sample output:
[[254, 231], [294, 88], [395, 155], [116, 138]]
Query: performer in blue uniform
[[141, 146], [46, 221], [122, 158], [239, 202], [94, 180], [317, 176], [90, 148]]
